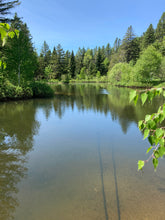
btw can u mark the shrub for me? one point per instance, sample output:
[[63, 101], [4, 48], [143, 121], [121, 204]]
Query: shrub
[[41, 90], [120, 73]]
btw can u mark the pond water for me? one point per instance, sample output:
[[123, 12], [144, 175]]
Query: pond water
[[74, 157]]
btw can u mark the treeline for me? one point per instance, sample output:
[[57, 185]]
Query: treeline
[[61, 65], [132, 59]]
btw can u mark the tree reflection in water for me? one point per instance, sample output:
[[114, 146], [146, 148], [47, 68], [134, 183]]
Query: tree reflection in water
[[17, 128]]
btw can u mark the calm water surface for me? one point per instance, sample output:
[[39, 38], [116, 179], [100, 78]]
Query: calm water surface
[[74, 157]]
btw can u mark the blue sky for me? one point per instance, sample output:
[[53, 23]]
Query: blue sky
[[87, 23]]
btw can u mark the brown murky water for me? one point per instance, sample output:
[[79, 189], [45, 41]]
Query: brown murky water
[[74, 157]]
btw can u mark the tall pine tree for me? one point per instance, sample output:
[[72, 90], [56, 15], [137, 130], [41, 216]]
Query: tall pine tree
[[5, 7], [149, 37], [160, 29]]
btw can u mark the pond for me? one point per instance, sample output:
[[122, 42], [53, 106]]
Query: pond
[[74, 157]]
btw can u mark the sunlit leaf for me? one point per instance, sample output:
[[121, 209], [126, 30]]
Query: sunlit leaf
[[132, 95], [148, 150], [146, 133], [161, 151], [159, 132], [144, 97], [147, 118], [140, 164]]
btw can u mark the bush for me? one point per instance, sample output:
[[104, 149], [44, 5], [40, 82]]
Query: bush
[[120, 73], [11, 91], [27, 92], [41, 90]]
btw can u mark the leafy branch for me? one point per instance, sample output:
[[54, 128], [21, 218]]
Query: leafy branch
[[151, 126]]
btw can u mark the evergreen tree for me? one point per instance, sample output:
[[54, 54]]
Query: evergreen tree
[[116, 45], [108, 51], [72, 65], [43, 60], [149, 37], [160, 29], [88, 58], [59, 62], [130, 45], [66, 62], [79, 60], [99, 60], [53, 64], [5, 7]]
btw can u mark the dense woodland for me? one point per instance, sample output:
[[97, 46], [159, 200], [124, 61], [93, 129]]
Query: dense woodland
[[132, 60]]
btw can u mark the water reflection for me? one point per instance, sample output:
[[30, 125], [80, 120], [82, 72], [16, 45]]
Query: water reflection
[[17, 128], [91, 97]]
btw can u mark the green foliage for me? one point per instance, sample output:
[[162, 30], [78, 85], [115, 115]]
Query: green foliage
[[11, 91], [160, 29], [162, 69], [120, 73], [41, 90], [148, 65], [149, 37], [152, 126], [5, 7], [72, 65], [19, 54]]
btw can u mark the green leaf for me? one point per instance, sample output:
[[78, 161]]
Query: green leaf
[[136, 99], [11, 34], [156, 154], [161, 151], [144, 97], [161, 117], [146, 133], [17, 33], [147, 118], [159, 132], [140, 164], [155, 163], [132, 95], [150, 95], [151, 139], [140, 124], [161, 142], [148, 150], [151, 124]]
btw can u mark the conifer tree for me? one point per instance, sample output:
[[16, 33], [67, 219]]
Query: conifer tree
[[72, 65], [130, 45], [99, 60], [149, 37], [79, 60], [5, 7], [160, 29], [108, 51]]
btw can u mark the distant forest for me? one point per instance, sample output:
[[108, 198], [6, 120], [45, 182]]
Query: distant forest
[[132, 60]]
